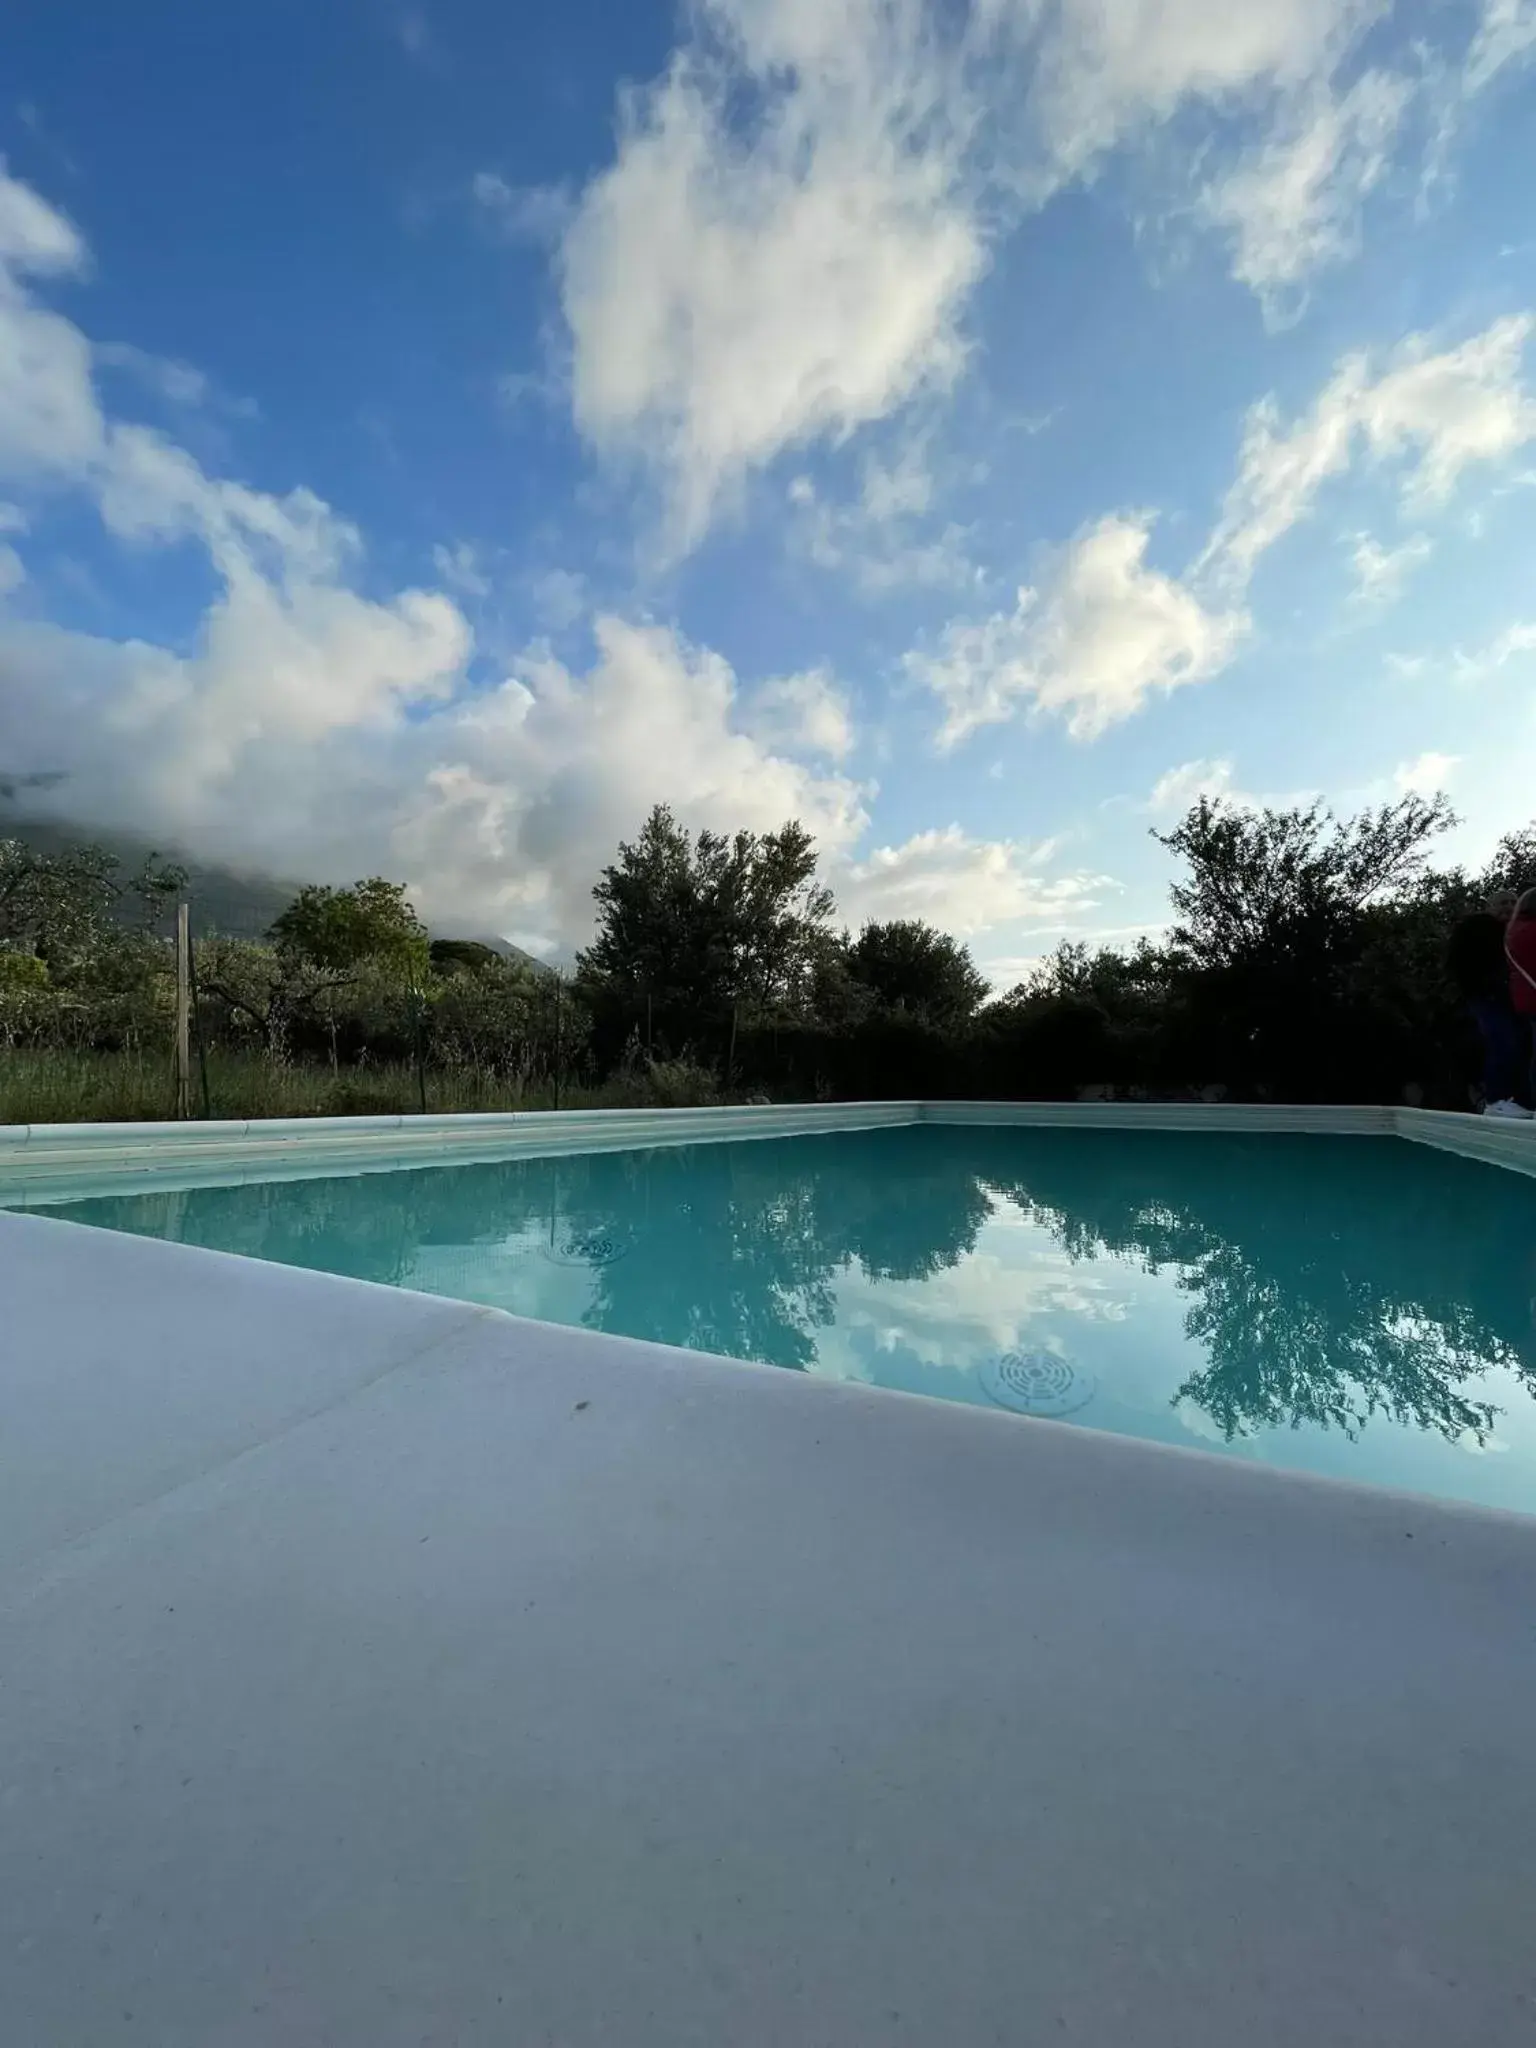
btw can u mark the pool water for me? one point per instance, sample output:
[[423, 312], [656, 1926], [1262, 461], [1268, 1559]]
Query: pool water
[[1357, 1306]]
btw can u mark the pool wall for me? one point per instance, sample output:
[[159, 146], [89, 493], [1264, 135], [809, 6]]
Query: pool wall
[[40, 1163]]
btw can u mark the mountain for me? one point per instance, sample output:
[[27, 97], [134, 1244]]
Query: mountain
[[235, 902]]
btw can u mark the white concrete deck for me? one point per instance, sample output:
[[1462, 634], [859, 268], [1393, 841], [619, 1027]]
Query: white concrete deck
[[377, 1670]]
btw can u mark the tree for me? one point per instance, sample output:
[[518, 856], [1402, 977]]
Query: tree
[[911, 967], [1278, 912], [695, 926], [1125, 987], [1274, 885], [341, 929], [463, 956], [505, 1017], [1513, 866], [73, 908]]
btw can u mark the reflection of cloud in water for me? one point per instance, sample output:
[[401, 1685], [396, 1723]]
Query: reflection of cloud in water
[[1356, 1307], [1194, 1418], [978, 1306], [510, 1276]]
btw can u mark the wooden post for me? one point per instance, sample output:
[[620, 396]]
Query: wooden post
[[183, 1011], [418, 1008], [560, 1049], [197, 1026]]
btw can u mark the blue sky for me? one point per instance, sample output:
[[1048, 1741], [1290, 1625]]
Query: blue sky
[[431, 434]]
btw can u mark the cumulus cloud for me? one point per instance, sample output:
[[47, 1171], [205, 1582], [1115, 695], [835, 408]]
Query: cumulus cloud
[[1425, 776], [738, 287], [1433, 414], [801, 205], [808, 712], [1102, 633], [315, 730], [966, 885]]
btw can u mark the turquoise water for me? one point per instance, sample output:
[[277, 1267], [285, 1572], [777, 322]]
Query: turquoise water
[[1356, 1306]]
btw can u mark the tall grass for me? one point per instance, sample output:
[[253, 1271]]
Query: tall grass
[[54, 1086]]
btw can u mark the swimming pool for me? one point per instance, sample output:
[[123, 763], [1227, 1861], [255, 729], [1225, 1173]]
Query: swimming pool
[[1356, 1306]]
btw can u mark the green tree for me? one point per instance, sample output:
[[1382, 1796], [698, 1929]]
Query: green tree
[[1292, 886], [463, 956], [505, 1017], [341, 929], [1277, 913], [911, 967], [1124, 987], [1513, 866], [73, 908], [697, 925]]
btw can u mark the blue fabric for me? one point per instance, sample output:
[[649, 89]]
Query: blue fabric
[[1506, 1051]]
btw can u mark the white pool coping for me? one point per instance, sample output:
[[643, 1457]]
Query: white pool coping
[[42, 1162], [377, 1669]]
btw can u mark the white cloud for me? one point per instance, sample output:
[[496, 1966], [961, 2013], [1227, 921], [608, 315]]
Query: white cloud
[[805, 713], [177, 382], [1174, 792], [964, 885], [12, 570], [318, 732], [559, 597], [522, 213], [1105, 631], [1425, 776], [1434, 414], [461, 568], [1108, 71], [737, 288], [1506, 35], [1102, 634], [800, 205], [36, 240], [324, 732], [49, 422], [1179, 788], [1513, 644], [1380, 573], [880, 543], [1292, 204]]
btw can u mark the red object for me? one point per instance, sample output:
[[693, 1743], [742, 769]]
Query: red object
[[1520, 950]]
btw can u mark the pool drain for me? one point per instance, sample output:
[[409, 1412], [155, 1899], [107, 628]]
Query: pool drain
[[1037, 1383], [585, 1248]]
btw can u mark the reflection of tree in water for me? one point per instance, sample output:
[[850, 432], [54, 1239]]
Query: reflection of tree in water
[[749, 1238], [1330, 1279], [319, 1224], [726, 1248], [1333, 1279]]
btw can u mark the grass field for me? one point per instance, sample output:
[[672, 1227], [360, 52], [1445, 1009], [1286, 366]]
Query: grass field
[[44, 1087]]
